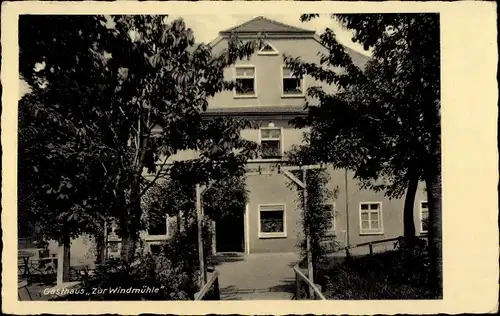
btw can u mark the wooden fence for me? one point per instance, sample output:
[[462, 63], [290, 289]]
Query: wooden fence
[[302, 282], [210, 291], [370, 244]]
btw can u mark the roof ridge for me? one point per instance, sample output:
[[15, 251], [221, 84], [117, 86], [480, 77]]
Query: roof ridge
[[263, 18], [286, 25], [239, 25]]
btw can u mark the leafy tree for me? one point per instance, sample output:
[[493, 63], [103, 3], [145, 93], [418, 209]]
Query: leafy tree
[[57, 154], [384, 122], [123, 81]]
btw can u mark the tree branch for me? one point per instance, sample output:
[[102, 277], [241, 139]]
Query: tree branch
[[157, 176]]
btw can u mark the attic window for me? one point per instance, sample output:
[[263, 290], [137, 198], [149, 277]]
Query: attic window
[[268, 49]]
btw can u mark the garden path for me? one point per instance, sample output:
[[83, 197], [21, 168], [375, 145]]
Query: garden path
[[266, 276]]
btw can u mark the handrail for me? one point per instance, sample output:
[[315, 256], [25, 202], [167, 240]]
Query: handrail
[[201, 294], [308, 282], [375, 242]]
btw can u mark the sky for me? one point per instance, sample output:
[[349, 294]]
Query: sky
[[207, 27]]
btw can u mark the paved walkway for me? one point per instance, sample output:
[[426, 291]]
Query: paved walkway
[[256, 276]]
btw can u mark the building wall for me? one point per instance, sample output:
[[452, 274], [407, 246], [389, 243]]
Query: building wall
[[268, 74], [273, 189], [392, 211], [266, 189]]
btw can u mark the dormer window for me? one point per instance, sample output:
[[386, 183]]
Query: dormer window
[[268, 49], [245, 79], [292, 86]]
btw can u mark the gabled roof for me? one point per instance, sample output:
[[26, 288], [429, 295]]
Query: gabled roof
[[261, 24]]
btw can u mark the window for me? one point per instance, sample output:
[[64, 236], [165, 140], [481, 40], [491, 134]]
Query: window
[[272, 221], [245, 78], [155, 249], [268, 49], [292, 86], [158, 226], [113, 231], [331, 229], [371, 218], [424, 217], [270, 142], [113, 247]]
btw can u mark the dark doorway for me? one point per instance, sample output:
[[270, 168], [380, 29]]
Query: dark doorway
[[229, 234]]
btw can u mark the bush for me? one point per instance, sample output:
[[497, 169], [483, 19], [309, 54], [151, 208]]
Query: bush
[[150, 278], [399, 274], [170, 275]]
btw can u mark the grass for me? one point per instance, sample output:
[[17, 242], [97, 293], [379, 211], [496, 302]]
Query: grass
[[389, 275]]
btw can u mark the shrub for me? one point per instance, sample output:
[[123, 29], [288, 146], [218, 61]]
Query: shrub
[[170, 275], [150, 278], [399, 274]]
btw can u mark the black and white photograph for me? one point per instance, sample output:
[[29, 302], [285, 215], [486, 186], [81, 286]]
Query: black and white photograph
[[230, 157]]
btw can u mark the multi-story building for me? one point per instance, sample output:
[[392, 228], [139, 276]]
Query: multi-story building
[[271, 97]]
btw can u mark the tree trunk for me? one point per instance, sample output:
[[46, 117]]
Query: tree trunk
[[101, 246], [134, 210], [130, 231], [408, 213], [433, 183], [64, 257]]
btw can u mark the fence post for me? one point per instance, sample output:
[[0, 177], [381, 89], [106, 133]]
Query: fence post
[[371, 249], [310, 264], [316, 297], [216, 289], [297, 287], [203, 272]]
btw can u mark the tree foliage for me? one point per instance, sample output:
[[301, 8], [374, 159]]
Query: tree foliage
[[384, 121], [317, 219], [56, 152], [108, 82]]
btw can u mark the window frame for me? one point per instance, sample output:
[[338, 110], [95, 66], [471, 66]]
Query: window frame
[[274, 53], [332, 231], [302, 86], [370, 231], [422, 231], [149, 237], [277, 207], [236, 77], [282, 152]]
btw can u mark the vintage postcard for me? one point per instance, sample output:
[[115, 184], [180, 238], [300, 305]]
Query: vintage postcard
[[172, 157]]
